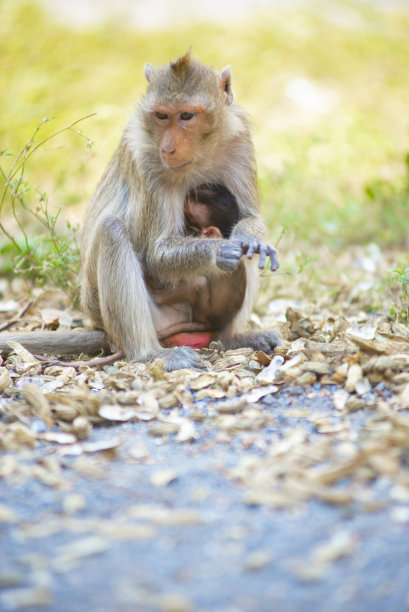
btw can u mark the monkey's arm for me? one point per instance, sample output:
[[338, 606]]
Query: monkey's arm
[[178, 257], [251, 224], [250, 232]]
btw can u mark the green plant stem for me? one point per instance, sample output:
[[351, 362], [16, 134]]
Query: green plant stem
[[47, 138]]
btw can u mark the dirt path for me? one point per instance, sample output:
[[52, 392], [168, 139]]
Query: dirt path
[[157, 524]]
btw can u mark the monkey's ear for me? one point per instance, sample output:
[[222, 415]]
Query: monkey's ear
[[225, 83], [148, 70]]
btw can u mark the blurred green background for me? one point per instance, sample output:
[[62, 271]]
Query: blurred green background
[[326, 86]]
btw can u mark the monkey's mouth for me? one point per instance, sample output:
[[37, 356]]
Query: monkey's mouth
[[182, 166]]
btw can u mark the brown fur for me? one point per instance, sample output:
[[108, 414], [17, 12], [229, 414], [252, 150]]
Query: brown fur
[[135, 219]]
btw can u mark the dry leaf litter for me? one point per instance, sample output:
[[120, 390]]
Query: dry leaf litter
[[354, 453]]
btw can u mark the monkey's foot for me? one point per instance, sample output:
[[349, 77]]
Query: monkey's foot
[[265, 341], [179, 358]]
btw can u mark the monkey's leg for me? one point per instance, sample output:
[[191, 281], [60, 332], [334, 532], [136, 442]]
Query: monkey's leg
[[225, 296], [232, 335], [127, 309]]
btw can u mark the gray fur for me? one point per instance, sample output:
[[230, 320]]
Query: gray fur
[[136, 217]]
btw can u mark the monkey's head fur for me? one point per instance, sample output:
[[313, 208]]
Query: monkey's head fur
[[187, 80], [181, 114]]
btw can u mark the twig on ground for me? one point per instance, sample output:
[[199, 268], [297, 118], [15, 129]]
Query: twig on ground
[[18, 316]]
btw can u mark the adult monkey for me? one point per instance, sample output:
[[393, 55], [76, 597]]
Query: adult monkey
[[185, 132]]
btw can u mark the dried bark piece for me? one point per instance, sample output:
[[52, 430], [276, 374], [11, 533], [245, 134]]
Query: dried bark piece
[[58, 437], [317, 367], [63, 373], [79, 549], [170, 400], [255, 394], [305, 379], [116, 413], [174, 602], [269, 374], [232, 406], [162, 478], [187, 432], [353, 377], [64, 412], [37, 400], [166, 516], [163, 429], [5, 379], [232, 359], [22, 353], [27, 598], [7, 515], [340, 399], [370, 346], [258, 559], [262, 358], [102, 446], [213, 393], [202, 381], [403, 400], [396, 362], [81, 428], [73, 502], [17, 435]]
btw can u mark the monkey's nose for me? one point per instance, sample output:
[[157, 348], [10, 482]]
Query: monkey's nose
[[168, 150]]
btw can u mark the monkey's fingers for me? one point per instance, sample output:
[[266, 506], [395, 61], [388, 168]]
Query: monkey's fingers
[[262, 259], [254, 247], [274, 265], [244, 245]]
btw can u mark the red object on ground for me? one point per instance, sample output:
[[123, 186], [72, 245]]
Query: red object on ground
[[195, 340]]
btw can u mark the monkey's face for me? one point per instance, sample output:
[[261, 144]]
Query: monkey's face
[[179, 130], [197, 217]]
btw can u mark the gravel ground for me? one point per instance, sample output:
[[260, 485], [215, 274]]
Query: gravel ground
[[199, 545]]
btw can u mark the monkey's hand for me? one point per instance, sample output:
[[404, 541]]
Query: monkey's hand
[[228, 255], [251, 245]]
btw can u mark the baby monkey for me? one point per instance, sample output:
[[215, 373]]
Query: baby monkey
[[201, 308], [211, 211]]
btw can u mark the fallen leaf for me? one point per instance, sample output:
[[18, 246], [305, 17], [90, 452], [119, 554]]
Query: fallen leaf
[[268, 375], [58, 437], [258, 393], [26, 598], [52, 316], [116, 413], [7, 515], [162, 478]]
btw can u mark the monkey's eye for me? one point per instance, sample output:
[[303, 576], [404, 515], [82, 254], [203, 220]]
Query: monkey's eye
[[161, 116], [186, 116]]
